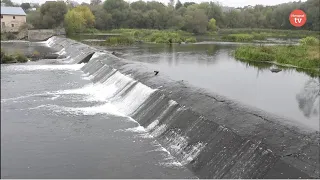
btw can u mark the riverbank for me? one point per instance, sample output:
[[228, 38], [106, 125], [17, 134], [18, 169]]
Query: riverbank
[[259, 35], [305, 55], [12, 58], [125, 37]]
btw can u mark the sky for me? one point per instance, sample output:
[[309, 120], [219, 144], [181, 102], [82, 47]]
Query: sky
[[230, 3]]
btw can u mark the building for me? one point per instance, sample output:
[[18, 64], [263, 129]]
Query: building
[[12, 18]]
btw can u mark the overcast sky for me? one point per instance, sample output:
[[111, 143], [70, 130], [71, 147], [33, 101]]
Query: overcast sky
[[231, 3]]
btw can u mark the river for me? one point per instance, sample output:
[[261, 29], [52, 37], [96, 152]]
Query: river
[[56, 123], [290, 94]]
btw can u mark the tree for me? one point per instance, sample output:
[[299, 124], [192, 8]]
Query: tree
[[34, 18], [74, 22], [187, 4], [178, 5], [212, 25], [87, 14], [196, 20], [78, 19], [52, 10], [95, 2], [102, 17], [25, 6], [7, 2]]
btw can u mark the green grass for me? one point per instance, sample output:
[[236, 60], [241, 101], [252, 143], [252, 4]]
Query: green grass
[[119, 41], [156, 36], [129, 36], [275, 33], [302, 56]]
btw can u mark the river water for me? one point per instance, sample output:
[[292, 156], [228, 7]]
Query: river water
[[56, 124], [290, 94]]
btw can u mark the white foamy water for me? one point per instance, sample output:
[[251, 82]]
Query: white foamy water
[[92, 110], [93, 92], [138, 129], [71, 67], [131, 101]]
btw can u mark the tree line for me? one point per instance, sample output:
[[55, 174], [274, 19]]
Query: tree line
[[193, 17]]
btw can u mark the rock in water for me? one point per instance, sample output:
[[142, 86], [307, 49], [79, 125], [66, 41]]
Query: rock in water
[[275, 70]]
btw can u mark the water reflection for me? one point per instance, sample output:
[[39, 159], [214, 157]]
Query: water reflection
[[308, 98]]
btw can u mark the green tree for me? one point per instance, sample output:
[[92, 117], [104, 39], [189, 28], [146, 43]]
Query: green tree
[[54, 12], [7, 2], [87, 14], [196, 20], [95, 2], [179, 4], [25, 6], [78, 19], [74, 22], [34, 18], [102, 17], [212, 25]]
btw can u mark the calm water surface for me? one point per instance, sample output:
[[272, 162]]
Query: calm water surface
[[290, 94]]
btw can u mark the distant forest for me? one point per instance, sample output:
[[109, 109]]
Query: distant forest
[[191, 17]]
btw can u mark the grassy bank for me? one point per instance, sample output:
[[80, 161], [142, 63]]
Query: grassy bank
[[270, 33], [13, 58], [244, 37], [131, 36], [305, 55], [153, 36]]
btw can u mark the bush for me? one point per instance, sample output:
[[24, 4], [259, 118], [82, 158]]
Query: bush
[[309, 41], [300, 56], [91, 30], [253, 53], [191, 40], [7, 59], [21, 58], [120, 40]]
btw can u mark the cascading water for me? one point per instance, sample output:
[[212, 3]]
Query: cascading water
[[208, 149], [165, 120]]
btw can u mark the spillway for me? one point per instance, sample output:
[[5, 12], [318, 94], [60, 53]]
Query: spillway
[[211, 135]]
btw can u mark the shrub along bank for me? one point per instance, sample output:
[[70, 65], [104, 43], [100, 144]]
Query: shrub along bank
[[130, 36], [13, 58], [304, 55]]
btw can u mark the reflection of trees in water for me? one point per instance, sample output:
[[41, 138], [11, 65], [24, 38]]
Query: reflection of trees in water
[[308, 98]]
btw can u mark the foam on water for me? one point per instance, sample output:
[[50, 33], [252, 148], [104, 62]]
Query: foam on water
[[93, 92], [131, 101], [71, 67], [137, 129], [92, 110]]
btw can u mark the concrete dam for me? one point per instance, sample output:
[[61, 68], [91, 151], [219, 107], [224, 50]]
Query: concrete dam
[[212, 136]]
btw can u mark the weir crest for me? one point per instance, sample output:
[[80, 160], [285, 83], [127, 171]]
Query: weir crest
[[211, 135]]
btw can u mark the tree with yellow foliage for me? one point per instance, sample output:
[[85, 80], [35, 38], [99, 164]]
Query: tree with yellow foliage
[[78, 19]]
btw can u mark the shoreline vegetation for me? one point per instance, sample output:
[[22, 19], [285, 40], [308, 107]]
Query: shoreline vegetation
[[13, 58], [17, 57], [130, 36], [306, 55], [126, 37]]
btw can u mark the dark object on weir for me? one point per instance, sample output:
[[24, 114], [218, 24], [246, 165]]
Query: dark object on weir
[[156, 72], [276, 70], [114, 53]]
